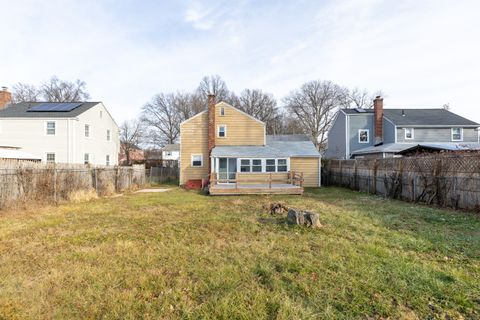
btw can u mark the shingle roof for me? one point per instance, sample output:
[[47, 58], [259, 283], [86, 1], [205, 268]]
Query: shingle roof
[[401, 147], [428, 117], [274, 149], [288, 137], [20, 110], [420, 117]]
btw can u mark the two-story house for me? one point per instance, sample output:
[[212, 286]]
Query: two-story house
[[74, 132], [231, 149], [171, 152], [380, 132]]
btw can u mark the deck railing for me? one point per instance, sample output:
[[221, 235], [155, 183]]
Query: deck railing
[[293, 178]]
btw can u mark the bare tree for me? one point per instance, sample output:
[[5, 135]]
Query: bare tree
[[56, 90], [24, 92], [361, 98], [213, 85], [314, 105], [131, 134], [162, 116], [259, 105], [189, 104]]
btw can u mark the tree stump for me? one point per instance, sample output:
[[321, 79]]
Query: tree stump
[[303, 218]]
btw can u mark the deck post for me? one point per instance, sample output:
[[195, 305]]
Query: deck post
[[236, 180]]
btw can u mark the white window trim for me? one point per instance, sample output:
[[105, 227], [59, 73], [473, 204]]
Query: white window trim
[[218, 130], [461, 134], [46, 127], [413, 133], [222, 111], [368, 136], [263, 164], [46, 157], [201, 159]]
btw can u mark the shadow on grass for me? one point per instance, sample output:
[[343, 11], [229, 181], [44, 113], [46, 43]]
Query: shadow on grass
[[272, 220]]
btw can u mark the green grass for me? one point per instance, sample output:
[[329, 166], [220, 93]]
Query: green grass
[[184, 255]]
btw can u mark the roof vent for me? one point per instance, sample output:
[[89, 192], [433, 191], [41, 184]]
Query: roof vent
[[360, 110]]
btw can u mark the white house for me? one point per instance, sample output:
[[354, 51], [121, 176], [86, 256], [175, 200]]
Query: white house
[[74, 132], [171, 152]]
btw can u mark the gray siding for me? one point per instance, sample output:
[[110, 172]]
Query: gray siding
[[336, 138], [357, 122], [388, 132], [436, 135]]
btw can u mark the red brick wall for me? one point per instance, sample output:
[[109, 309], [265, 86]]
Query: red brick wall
[[5, 98], [378, 108], [211, 127]]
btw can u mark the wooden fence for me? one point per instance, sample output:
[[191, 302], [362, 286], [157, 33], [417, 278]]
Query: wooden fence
[[445, 180], [24, 181], [163, 174]]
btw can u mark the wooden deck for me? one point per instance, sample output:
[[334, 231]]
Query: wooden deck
[[232, 189]]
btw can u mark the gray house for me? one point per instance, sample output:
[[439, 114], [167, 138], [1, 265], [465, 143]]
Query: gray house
[[380, 133]]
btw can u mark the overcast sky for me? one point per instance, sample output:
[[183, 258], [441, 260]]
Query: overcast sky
[[420, 53]]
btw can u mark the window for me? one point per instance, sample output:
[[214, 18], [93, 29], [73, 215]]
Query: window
[[270, 165], [51, 126], [281, 165], [256, 165], [222, 111], [86, 158], [409, 134], [107, 160], [87, 130], [222, 131], [197, 160], [363, 136], [457, 134], [51, 157], [245, 165], [108, 135]]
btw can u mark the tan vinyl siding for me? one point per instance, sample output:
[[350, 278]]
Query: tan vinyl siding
[[241, 129], [263, 178], [309, 167], [194, 140]]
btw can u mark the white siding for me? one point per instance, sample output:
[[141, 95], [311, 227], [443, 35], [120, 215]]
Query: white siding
[[69, 142]]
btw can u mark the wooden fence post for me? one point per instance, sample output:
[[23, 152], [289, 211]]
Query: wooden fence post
[[55, 185], [96, 180], [375, 167]]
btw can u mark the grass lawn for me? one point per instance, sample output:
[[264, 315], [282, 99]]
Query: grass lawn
[[180, 254]]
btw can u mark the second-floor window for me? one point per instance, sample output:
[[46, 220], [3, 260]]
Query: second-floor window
[[108, 135], [409, 133], [87, 130], [51, 128], [457, 134], [222, 131], [363, 136]]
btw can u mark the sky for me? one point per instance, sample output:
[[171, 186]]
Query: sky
[[420, 54]]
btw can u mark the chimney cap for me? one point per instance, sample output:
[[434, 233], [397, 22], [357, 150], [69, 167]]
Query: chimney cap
[[378, 97], [4, 88]]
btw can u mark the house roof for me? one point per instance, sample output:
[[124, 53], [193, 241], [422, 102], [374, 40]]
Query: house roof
[[288, 137], [420, 117], [273, 149], [171, 147], [20, 110], [406, 147]]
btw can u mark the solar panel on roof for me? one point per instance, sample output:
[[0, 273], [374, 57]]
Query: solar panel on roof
[[55, 107]]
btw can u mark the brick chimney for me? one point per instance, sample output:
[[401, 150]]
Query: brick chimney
[[5, 98], [378, 109], [211, 128]]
